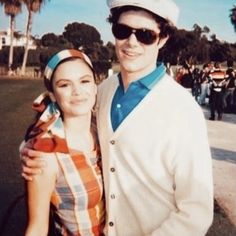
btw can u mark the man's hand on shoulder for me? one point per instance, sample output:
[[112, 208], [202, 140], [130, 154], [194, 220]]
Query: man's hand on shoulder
[[32, 163]]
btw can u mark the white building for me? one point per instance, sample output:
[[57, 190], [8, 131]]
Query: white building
[[20, 41]]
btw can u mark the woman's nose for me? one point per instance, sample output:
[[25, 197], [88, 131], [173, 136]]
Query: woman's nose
[[76, 89]]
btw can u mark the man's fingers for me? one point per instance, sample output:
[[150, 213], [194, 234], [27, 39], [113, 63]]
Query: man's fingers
[[32, 163], [30, 168], [31, 171], [27, 177], [30, 153], [34, 154]]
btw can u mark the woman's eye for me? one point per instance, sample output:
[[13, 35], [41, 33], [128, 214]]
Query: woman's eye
[[84, 81], [62, 85]]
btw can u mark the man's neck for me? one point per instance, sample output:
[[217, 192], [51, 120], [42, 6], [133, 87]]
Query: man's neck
[[129, 77]]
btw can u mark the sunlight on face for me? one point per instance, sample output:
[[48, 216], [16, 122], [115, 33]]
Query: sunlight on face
[[74, 88], [134, 56]]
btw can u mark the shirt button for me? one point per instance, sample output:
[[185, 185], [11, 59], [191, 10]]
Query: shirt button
[[112, 142], [118, 106], [111, 223], [112, 169], [113, 196]]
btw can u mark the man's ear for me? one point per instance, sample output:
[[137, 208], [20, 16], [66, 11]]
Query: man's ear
[[162, 42], [52, 97]]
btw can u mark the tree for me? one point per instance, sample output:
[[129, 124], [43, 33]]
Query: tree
[[199, 31], [81, 34], [112, 54], [32, 6], [49, 40], [52, 40], [191, 46], [219, 51], [233, 17], [100, 56], [11, 8]]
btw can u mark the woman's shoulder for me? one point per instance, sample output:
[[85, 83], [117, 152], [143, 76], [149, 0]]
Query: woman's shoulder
[[50, 168]]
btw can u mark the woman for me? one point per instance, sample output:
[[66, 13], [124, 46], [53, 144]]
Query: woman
[[71, 181]]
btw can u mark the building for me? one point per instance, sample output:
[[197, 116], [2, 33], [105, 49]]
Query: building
[[18, 41]]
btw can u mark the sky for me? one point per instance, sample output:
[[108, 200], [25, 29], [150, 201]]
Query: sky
[[56, 14]]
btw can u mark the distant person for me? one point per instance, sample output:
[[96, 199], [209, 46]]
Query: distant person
[[179, 74], [156, 158], [72, 179], [217, 76], [196, 89], [229, 90], [187, 78], [205, 80]]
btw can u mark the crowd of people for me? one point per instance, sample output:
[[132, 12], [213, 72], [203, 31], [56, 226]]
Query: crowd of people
[[211, 85]]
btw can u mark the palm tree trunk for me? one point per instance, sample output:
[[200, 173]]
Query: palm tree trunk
[[12, 29], [28, 33], [233, 17]]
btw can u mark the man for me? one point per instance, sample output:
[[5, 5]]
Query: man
[[156, 159], [230, 84], [218, 82], [205, 78]]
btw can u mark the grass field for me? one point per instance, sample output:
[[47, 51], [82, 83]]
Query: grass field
[[16, 96], [16, 114]]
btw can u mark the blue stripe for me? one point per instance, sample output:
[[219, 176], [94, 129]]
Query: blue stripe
[[53, 62]]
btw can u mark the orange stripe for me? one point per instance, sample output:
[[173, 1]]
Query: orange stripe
[[76, 53], [55, 144], [90, 182]]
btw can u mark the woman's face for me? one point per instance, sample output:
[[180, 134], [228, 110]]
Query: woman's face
[[74, 88]]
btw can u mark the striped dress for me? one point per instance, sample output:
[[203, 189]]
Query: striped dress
[[77, 199]]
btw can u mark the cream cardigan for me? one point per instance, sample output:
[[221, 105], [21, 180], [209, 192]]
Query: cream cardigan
[[157, 164]]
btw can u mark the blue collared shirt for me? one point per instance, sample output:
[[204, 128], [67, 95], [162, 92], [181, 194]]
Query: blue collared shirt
[[125, 101]]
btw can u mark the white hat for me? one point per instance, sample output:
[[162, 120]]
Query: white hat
[[167, 9]]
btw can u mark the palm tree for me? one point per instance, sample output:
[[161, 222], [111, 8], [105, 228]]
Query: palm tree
[[11, 8], [32, 6], [233, 17]]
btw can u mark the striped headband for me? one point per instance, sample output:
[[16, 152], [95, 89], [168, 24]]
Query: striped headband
[[62, 55]]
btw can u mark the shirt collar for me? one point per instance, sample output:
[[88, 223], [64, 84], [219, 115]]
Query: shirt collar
[[149, 80]]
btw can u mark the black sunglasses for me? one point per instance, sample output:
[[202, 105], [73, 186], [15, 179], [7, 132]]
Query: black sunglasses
[[145, 36]]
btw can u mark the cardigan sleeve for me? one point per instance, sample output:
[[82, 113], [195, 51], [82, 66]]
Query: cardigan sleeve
[[193, 184]]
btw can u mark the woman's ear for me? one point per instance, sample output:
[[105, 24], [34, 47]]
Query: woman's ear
[[52, 97], [162, 42]]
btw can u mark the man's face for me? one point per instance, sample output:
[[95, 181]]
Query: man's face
[[135, 57]]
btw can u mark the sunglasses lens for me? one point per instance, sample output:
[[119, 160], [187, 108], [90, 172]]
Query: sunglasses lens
[[121, 31], [145, 36]]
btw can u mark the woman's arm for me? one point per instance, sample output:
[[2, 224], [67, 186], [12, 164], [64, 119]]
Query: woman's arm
[[39, 194]]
